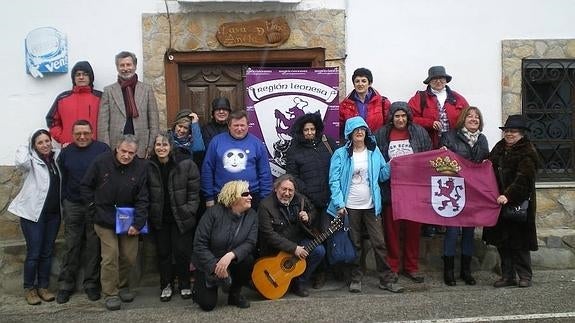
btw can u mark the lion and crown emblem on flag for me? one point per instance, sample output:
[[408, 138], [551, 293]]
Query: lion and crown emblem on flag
[[448, 190]]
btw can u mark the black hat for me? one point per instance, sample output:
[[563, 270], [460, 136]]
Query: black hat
[[437, 71], [83, 66], [221, 103], [515, 121]]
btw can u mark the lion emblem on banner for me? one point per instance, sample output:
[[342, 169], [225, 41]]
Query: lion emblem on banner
[[447, 191]]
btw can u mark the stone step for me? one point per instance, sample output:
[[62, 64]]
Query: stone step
[[556, 251]]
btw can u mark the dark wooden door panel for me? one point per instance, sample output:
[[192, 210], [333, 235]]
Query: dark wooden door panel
[[201, 84]]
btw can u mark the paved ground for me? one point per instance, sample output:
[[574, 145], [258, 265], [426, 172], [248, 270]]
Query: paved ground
[[550, 299]]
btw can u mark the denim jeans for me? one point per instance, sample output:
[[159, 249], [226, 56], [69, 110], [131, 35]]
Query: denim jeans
[[40, 237], [313, 260], [450, 241]]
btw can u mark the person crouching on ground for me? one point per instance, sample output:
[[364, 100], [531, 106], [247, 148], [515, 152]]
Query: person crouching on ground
[[223, 246]]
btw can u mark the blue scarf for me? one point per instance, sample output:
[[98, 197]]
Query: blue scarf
[[183, 143]]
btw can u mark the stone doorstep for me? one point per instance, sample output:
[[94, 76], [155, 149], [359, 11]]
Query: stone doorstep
[[556, 251]]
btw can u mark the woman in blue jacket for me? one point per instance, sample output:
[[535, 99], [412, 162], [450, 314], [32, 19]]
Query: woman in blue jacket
[[354, 175]]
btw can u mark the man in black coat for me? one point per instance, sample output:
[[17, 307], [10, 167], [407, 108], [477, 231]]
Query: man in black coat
[[117, 179], [284, 225]]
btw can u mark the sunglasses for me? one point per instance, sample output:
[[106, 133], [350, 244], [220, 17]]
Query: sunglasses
[[245, 194]]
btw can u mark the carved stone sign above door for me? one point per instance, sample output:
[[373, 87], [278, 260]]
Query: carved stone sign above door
[[254, 33]]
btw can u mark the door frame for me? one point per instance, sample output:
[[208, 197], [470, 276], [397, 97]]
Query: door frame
[[172, 61]]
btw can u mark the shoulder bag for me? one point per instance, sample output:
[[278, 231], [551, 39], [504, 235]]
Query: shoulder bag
[[340, 249]]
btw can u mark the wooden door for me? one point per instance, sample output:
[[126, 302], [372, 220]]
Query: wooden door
[[200, 84], [194, 79]]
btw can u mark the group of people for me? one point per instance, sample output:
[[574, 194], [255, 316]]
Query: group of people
[[208, 198], [439, 117]]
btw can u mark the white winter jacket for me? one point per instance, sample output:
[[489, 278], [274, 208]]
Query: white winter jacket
[[29, 202]]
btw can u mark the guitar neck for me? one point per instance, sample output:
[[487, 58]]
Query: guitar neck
[[319, 239]]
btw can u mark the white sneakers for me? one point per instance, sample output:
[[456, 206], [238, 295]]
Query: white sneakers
[[166, 294]]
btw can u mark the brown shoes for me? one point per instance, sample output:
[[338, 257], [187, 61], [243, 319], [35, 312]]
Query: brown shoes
[[32, 297], [524, 283], [505, 283], [45, 295]]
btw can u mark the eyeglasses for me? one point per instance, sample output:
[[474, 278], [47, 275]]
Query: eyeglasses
[[80, 74], [511, 130], [245, 194]]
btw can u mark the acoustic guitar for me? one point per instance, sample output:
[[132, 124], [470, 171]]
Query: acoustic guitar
[[272, 275]]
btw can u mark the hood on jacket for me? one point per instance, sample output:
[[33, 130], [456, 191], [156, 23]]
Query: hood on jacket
[[396, 106], [356, 122], [32, 139], [297, 128], [83, 66]]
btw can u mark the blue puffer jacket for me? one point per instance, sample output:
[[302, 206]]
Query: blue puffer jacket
[[341, 169]]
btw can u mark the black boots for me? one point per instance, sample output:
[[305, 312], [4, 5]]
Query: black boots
[[448, 274], [465, 274], [466, 270]]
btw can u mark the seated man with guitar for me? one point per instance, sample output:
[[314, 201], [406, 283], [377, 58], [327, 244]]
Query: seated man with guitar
[[285, 219]]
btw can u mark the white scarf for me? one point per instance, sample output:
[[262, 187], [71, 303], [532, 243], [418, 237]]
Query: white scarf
[[441, 96], [471, 136]]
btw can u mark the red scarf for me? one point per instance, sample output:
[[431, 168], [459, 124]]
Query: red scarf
[[128, 89]]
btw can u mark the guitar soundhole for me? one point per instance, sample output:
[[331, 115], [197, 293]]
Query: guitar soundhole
[[288, 264]]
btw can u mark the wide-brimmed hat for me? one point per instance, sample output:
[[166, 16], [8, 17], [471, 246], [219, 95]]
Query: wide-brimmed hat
[[436, 71], [515, 121]]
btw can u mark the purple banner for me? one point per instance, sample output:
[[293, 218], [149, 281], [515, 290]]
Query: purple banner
[[276, 97]]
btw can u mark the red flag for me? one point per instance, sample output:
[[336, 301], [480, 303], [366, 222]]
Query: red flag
[[441, 187]]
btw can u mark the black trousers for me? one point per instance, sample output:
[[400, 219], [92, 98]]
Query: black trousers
[[207, 298], [515, 262], [82, 248], [174, 252]]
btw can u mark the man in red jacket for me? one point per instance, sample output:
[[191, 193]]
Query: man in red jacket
[[82, 102]]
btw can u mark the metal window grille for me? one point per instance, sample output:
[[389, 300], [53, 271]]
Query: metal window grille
[[548, 100]]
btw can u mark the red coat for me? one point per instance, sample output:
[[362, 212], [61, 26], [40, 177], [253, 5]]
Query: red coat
[[82, 102], [454, 104], [377, 109]]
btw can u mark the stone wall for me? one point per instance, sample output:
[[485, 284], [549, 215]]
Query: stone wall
[[555, 201]]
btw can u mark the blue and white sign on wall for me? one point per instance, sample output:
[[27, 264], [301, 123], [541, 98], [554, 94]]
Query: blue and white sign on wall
[[46, 52]]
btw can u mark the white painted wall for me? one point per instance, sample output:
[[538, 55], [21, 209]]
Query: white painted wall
[[400, 39], [397, 39]]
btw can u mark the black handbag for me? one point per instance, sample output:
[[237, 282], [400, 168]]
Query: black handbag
[[516, 213]]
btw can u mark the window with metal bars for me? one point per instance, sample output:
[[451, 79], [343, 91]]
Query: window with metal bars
[[548, 101]]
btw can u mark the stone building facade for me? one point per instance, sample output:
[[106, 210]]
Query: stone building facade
[[317, 29]]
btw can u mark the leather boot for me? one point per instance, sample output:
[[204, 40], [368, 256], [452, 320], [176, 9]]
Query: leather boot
[[448, 274], [465, 273]]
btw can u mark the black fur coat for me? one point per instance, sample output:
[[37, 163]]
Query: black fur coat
[[515, 168]]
